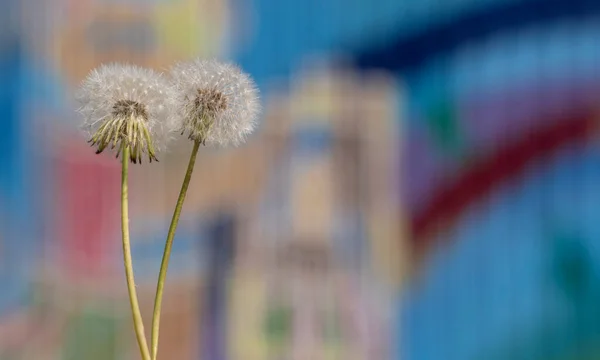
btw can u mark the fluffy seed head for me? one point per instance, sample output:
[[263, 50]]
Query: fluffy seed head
[[216, 103], [126, 105]]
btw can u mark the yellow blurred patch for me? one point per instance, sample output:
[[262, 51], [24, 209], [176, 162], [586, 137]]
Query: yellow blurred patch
[[247, 305], [188, 28]]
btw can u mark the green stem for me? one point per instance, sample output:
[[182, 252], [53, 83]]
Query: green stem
[[138, 325], [167, 252]]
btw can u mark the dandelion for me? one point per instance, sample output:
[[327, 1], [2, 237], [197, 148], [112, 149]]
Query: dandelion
[[126, 106], [216, 103]]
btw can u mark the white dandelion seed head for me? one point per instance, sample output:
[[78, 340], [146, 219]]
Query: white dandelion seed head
[[122, 102], [215, 103]]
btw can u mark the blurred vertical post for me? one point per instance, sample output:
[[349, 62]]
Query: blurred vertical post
[[221, 236]]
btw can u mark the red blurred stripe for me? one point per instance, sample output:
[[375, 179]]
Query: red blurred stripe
[[508, 162]]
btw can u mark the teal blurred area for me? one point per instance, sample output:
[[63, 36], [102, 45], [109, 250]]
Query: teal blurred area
[[424, 183]]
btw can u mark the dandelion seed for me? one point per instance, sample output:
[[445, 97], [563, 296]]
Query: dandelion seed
[[216, 103], [126, 105]]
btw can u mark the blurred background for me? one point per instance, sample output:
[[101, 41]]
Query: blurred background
[[424, 183]]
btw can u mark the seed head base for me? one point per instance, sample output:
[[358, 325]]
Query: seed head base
[[127, 126]]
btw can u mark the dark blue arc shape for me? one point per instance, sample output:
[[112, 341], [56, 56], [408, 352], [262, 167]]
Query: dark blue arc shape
[[407, 53]]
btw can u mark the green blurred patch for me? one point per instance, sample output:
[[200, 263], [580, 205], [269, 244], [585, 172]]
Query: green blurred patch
[[92, 335], [278, 325], [572, 266], [444, 129], [331, 327]]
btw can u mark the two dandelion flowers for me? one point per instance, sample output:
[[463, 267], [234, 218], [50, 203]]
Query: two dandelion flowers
[[135, 112]]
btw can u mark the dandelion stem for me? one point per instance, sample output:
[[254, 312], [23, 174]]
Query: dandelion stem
[[133, 299], [167, 252]]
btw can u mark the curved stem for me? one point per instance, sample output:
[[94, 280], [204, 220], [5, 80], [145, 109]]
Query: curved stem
[[133, 299], [167, 252]]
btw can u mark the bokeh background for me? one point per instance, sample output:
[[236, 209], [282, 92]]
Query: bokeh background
[[424, 183]]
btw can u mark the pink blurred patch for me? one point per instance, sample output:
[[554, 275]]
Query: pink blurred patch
[[87, 206]]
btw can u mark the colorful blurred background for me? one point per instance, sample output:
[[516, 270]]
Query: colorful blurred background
[[424, 183]]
